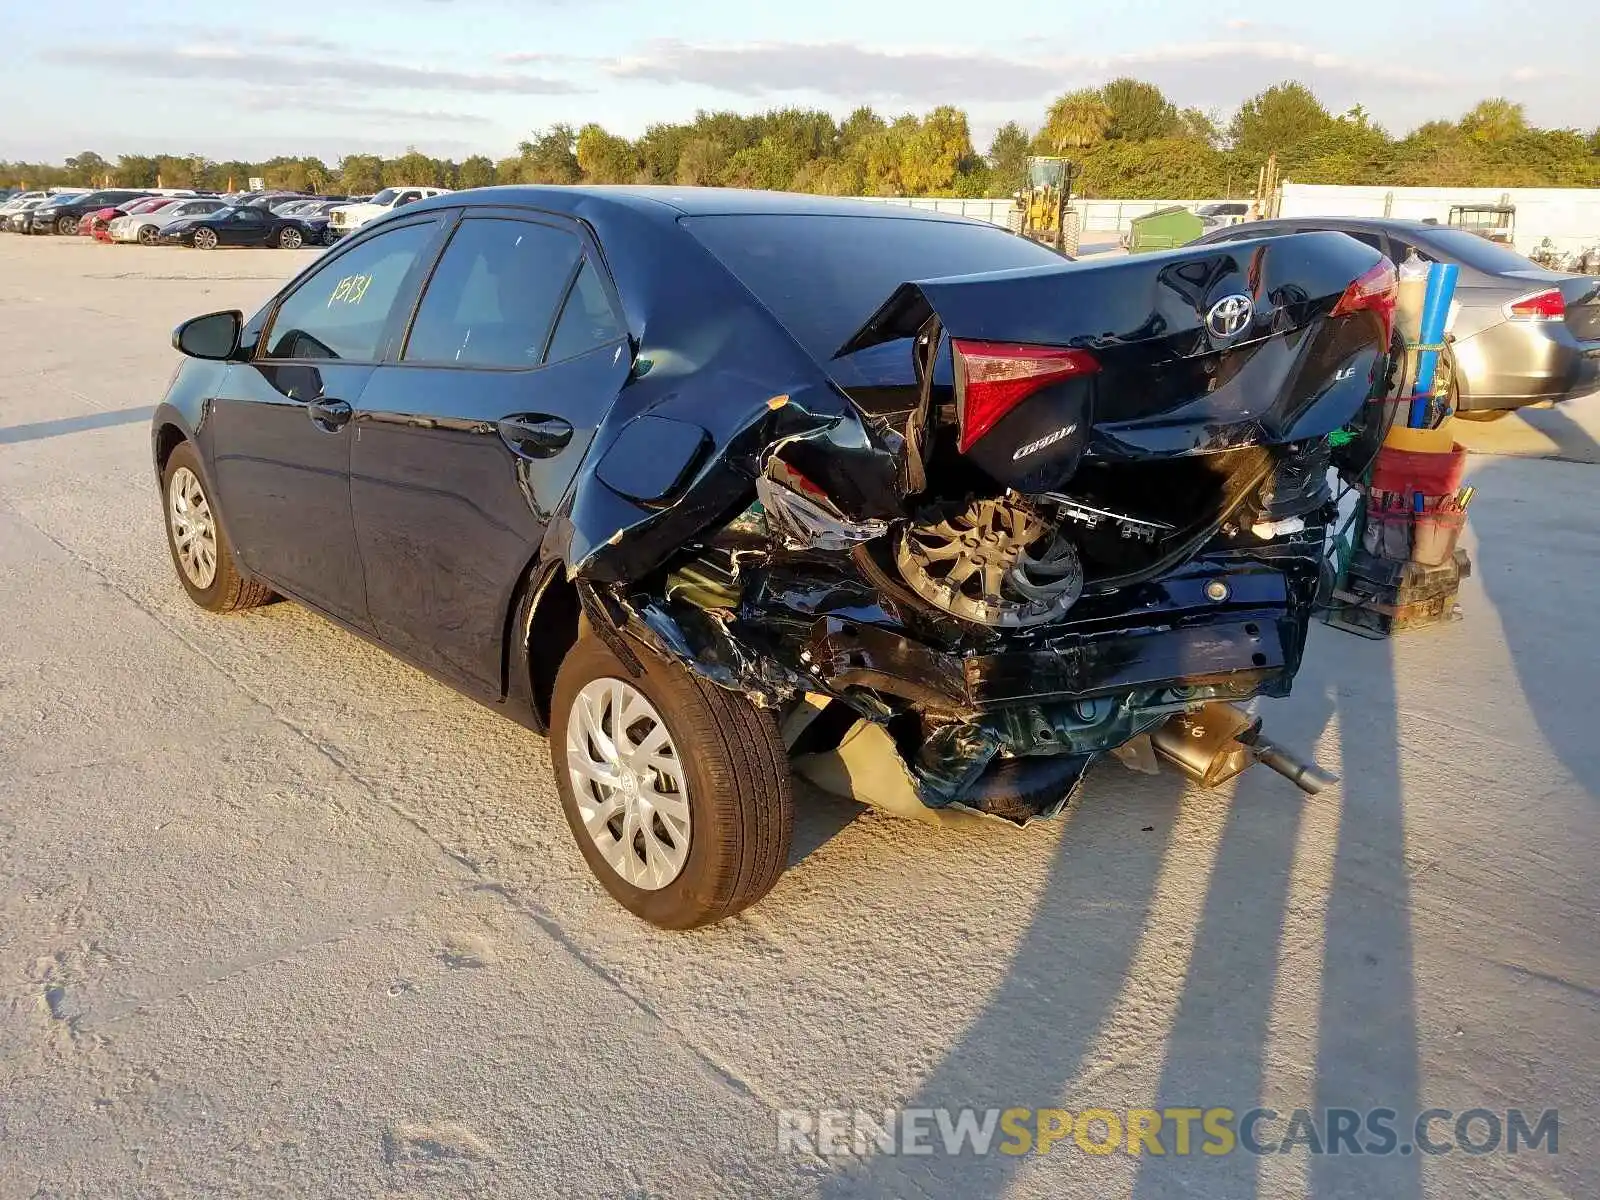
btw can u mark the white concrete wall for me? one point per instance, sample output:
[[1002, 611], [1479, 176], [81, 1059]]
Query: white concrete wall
[[1103, 220], [1569, 217], [996, 212]]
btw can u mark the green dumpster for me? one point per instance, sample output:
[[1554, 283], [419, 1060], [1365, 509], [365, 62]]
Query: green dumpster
[[1163, 229]]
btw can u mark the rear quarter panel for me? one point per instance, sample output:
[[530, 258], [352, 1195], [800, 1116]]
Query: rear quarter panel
[[1503, 363], [708, 355]]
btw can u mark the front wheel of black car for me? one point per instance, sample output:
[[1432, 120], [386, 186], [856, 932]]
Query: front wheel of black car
[[200, 550], [290, 239], [676, 790], [205, 239], [67, 226]]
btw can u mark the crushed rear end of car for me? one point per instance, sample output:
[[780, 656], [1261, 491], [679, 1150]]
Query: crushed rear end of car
[[1086, 514]]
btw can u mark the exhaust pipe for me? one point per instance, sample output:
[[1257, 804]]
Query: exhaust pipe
[[1306, 776], [1220, 741]]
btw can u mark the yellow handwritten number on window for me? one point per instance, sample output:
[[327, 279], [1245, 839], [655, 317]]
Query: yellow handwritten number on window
[[352, 289]]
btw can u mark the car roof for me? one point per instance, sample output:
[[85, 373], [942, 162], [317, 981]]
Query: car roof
[[1393, 224], [671, 202]]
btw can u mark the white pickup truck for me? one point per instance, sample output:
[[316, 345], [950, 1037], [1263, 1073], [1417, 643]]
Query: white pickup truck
[[348, 218]]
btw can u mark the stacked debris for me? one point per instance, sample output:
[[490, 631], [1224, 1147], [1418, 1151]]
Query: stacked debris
[[1403, 569]]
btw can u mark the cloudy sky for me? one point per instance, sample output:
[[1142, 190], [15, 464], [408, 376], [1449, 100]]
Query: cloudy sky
[[255, 78]]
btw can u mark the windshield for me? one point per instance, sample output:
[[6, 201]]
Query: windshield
[[1472, 251], [822, 276], [386, 196]]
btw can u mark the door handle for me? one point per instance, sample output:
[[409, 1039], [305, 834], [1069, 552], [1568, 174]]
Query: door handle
[[535, 435], [329, 415]]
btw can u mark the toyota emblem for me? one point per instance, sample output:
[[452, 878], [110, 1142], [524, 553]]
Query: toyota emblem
[[1229, 316]]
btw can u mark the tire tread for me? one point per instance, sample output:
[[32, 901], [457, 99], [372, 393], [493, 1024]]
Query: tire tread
[[750, 739], [741, 771]]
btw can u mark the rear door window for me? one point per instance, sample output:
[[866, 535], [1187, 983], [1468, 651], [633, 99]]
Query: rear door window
[[493, 298], [1470, 250], [1239, 233], [1377, 241], [343, 309], [587, 319]]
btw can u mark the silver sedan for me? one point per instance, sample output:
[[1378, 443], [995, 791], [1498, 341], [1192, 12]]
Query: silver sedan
[[145, 228], [1522, 335]]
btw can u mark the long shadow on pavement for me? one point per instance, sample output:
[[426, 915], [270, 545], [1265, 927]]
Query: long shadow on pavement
[[1366, 1038], [49, 429], [1038, 1028], [1517, 545], [1367, 1048]]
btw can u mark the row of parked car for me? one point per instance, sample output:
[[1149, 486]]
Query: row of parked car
[[286, 220]]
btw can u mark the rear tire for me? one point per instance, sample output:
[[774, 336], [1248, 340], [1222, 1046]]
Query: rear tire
[[201, 553], [289, 239], [725, 786], [1493, 414]]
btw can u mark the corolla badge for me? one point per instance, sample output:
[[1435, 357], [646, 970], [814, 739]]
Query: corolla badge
[[1049, 439], [1230, 315]]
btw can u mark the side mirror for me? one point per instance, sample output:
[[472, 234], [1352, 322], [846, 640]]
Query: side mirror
[[213, 336]]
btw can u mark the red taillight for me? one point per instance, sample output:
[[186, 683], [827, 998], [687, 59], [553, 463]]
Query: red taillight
[[1548, 305], [1375, 291], [992, 378], [801, 484]]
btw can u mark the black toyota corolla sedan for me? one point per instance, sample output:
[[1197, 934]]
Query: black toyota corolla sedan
[[716, 485], [246, 225]]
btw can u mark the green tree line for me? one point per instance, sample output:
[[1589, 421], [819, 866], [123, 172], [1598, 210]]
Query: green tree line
[[1127, 139]]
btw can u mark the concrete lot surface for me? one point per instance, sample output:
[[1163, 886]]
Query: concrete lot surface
[[280, 916]]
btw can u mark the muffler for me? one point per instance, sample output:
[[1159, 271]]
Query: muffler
[[1220, 740]]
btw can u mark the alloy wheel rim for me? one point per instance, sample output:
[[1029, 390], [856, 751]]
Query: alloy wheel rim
[[194, 529], [291, 239], [628, 782], [205, 239]]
